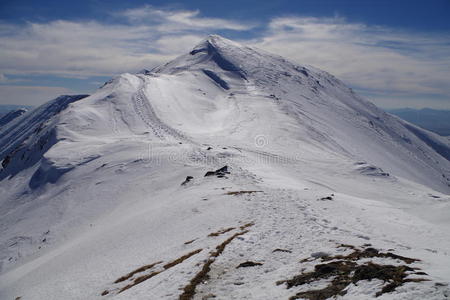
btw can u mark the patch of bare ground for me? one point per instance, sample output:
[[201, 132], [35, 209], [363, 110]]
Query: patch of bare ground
[[221, 247], [165, 267], [180, 259], [138, 270], [344, 270], [202, 275], [246, 225], [220, 232], [358, 254], [137, 280], [190, 242]]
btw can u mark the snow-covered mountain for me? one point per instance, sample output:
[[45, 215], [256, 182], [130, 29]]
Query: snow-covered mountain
[[13, 114], [91, 187]]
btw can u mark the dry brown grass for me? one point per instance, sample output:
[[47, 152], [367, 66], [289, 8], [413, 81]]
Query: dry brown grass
[[369, 253], [246, 225], [181, 259], [139, 280], [143, 278], [344, 270], [138, 270], [202, 275], [220, 232], [221, 247]]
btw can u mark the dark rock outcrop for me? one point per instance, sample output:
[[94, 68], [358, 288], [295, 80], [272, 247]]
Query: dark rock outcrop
[[188, 179], [219, 172]]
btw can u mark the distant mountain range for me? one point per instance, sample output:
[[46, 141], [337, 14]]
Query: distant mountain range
[[434, 120]]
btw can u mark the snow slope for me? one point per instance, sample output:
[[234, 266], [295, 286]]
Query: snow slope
[[91, 188]]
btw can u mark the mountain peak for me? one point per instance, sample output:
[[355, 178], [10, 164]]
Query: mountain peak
[[213, 43], [212, 52], [212, 37]]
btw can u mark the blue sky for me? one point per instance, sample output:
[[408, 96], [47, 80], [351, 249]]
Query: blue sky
[[396, 53]]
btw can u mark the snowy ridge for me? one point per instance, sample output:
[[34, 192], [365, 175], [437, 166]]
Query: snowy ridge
[[92, 184], [11, 116], [22, 142]]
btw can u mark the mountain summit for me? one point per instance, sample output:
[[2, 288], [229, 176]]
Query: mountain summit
[[227, 163]]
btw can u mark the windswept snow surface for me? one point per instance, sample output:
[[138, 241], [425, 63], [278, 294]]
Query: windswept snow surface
[[91, 185]]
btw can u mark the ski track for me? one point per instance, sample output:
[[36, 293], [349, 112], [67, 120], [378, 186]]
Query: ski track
[[145, 111]]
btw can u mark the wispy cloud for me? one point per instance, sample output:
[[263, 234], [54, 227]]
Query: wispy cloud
[[180, 20], [76, 49], [146, 37], [389, 65]]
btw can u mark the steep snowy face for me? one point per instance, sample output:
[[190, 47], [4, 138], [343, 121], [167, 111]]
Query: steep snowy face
[[267, 71], [215, 52], [23, 141], [242, 93]]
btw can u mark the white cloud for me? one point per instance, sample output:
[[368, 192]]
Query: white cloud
[[175, 20], [77, 49], [388, 64], [89, 48]]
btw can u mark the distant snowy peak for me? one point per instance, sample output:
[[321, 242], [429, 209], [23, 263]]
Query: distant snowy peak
[[11, 116]]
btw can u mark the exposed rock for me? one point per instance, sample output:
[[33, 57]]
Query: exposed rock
[[219, 173], [249, 264], [188, 179]]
